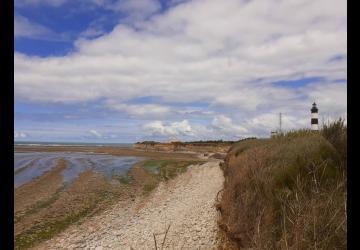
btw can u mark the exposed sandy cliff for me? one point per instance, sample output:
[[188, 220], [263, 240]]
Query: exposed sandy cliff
[[221, 147]]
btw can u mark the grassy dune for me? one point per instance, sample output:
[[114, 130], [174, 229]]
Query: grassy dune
[[287, 192]]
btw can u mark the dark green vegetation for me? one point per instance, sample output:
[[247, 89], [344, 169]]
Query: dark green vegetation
[[164, 170], [167, 169], [198, 142], [287, 192], [124, 179], [99, 200], [40, 205], [68, 205], [39, 233]]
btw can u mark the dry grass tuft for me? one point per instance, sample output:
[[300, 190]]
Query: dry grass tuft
[[164, 239], [288, 192]]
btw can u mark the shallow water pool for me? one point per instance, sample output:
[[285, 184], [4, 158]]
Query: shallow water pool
[[30, 165]]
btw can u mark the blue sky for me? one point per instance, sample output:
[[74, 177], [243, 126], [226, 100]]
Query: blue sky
[[132, 70]]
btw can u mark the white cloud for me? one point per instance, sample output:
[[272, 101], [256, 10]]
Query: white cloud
[[140, 110], [225, 125], [20, 135], [183, 55], [139, 7], [331, 96], [131, 9], [44, 131], [92, 32], [24, 28], [182, 128], [263, 124], [54, 3], [223, 53], [220, 127], [95, 133]]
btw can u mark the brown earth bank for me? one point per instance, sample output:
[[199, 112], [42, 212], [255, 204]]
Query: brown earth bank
[[44, 207], [219, 147]]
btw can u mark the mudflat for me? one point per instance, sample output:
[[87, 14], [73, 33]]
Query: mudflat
[[118, 151], [178, 214], [46, 206], [38, 189]]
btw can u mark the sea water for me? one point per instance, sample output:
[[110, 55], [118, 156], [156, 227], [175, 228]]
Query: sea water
[[30, 165]]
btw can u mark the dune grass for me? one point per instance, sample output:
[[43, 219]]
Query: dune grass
[[287, 192]]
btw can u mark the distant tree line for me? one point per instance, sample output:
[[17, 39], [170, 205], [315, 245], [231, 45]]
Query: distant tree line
[[198, 142]]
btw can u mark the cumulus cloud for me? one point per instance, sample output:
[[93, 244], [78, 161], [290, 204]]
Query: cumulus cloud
[[24, 28], [140, 110], [92, 32], [105, 134], [131, 10], [223, 53], [20, 135], [331, 96], [184, 55], [54, 3], [170, 129], [226, 126], [95, 133], [220, 127]]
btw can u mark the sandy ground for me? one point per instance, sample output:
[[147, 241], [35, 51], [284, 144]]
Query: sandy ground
[[184, 206]]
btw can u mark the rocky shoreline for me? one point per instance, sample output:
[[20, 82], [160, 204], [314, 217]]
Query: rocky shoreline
[[184, 206], [44, 207]]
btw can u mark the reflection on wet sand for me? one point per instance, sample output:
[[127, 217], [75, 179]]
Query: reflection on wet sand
[[58, 187], [30, 165]]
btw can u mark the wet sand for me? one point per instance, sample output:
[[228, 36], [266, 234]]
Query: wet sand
[[38, 189], [117, 151], [45, 206]]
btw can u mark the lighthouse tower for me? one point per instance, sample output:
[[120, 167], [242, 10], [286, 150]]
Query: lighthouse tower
[[314, 118]]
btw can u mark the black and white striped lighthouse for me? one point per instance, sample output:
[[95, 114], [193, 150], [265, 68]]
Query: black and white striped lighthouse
[[314, 118]]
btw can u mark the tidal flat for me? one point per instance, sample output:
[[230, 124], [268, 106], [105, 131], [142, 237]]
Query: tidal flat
[[56, 187]]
